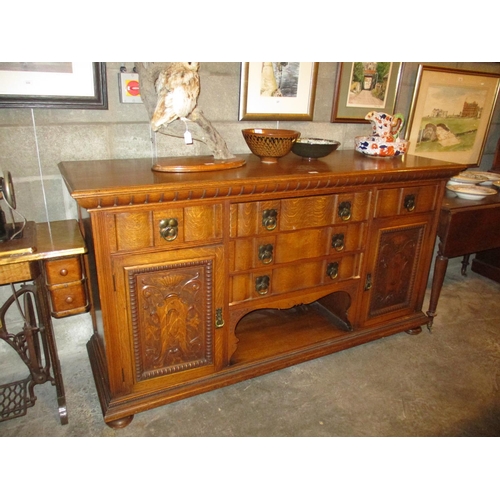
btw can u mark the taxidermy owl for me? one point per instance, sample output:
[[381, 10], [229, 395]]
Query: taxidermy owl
[[178, 87]]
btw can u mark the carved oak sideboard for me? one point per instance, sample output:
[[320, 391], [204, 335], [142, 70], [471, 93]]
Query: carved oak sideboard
[[206, 279]]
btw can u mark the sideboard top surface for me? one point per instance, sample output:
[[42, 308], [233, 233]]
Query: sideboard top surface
[[104, 183]]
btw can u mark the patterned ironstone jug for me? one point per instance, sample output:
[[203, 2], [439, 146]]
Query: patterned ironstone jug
[[384, 125]]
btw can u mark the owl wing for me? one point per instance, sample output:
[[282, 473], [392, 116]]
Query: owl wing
[[177, 89]]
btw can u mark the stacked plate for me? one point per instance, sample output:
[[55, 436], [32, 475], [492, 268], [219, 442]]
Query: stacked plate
[[473, 186], [471, 191]]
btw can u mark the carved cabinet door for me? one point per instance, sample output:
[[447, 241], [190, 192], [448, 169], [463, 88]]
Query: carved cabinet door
[[173, 305], [396, 272]]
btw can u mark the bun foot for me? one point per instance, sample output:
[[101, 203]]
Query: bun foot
[[120, 423]]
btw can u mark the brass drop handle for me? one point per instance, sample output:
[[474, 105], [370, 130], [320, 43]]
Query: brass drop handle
[[266, 253], [344, 210], [262, 284], [270, 219], [332, 270], [338, 241], [169, 229], [410, 203], [219, 319], [368, 283]]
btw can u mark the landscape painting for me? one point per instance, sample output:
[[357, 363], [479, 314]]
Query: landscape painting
[[451, 114], [362, 87], [368, 86]]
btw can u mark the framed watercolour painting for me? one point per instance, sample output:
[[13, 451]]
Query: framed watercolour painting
[[451, 113], [277, 90], [362, 87], [74, 85]]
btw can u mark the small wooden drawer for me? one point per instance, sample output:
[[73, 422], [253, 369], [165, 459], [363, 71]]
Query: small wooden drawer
[[68, 299], [63, 270], [66, 286]]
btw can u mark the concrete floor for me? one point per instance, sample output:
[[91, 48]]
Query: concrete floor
[[444, 383]]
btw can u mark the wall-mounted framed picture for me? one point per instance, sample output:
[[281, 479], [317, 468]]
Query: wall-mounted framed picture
[[362, 87], [451, 113], [74, 85], [277, 90]]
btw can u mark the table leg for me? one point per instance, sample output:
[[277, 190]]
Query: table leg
[[44, 316], [440, 266], [465, 264]]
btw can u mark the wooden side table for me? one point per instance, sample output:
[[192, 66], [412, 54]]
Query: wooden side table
[[45, 271], [465, 227]]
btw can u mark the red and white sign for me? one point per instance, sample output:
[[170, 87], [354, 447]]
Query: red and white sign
[[129, 88]]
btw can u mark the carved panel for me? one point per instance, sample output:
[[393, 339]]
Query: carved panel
[[172, 325], [397, 263]]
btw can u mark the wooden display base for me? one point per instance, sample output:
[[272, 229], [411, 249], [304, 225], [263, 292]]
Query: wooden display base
[[196, 164]]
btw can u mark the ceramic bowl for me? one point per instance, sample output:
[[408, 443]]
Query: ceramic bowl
[[270, 144], [379, 146], [311, 147]]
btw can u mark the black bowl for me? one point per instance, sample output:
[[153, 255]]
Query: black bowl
[[312, 147]]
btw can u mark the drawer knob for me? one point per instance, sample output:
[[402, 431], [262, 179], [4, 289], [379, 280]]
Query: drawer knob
[[270, 219], [332, 270], [266, 253], [169, 229], [410, 203], [338, 242], [344, 210], [262, 284], [63, 272], [69, 299]]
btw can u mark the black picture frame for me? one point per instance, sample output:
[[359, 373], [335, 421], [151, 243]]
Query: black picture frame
[[95, 98]]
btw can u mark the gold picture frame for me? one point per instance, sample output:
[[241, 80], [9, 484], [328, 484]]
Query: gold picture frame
[[277, 91], [450, 114]]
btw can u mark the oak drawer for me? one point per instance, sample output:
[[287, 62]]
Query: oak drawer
[[164, 228], [284, 279], [258, 218], [63, 270], [66, 284], [406, 200], [285, 247], [68, 299]]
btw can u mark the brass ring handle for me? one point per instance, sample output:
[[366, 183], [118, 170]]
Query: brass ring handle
[[262, 284], [333, 270], [338, 241], [410, 203], [266, 253], [270, 219], [344, 210], [169, 229]]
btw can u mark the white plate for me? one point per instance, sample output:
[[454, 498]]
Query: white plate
[[469, 178], [471, 192], [491, 178]]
